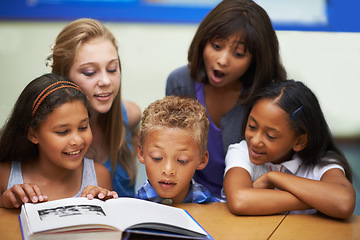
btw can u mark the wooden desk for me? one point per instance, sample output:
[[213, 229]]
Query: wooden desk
[[216, 219], [221, 224], [317, 226], [9, 224]]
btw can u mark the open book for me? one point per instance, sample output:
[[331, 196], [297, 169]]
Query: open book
[[122, 218]]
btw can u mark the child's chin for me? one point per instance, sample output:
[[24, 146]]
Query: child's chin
[[167, 195], [256, 162]]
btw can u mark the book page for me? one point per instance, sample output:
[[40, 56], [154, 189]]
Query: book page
[[121, 213], [64, 213], [128, 212]]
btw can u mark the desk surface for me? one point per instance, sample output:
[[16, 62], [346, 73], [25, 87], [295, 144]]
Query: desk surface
[[9, 224], [216, 219], [220, 223], [317, 226]]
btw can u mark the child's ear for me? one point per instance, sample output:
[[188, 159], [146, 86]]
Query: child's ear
[[204, 159], [301, 143], [31, 136], [140, 154]]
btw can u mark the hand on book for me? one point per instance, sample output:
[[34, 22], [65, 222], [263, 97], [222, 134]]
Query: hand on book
[[98, 192], [15, 196]]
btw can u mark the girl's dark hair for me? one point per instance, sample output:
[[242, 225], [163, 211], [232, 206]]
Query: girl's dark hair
[[245, 16], [14, 143], [305, 116]]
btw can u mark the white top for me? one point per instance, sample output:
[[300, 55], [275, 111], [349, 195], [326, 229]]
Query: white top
[[238, 156]]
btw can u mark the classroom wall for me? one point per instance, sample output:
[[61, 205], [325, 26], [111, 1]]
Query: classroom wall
[[328, 62]]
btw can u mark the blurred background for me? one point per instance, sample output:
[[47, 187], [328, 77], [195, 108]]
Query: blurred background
[[319, 43]]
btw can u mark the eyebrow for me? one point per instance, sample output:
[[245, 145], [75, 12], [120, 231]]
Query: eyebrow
[[90, 63], [237, 43], [273, 129], [269, 128], [114, 60], [65, 125]]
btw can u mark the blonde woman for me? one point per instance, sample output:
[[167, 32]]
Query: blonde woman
[[86, 52]]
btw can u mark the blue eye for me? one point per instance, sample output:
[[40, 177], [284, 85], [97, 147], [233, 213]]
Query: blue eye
[[157, 158], [181, 161]]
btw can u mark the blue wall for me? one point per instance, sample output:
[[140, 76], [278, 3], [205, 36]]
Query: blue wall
[[342, 15]]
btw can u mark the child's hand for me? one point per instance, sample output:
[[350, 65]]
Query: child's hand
[[92, 191], [22, 193], [263, 182]]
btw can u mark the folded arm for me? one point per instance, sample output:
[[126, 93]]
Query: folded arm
[[333, 195], [244, 199]]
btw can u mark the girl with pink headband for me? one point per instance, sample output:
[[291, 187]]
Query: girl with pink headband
[[43, 144]]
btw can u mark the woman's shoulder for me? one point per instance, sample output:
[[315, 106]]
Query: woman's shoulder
[[99, 168], [133, 113], [102, 175], [182, 72], [179, 82]]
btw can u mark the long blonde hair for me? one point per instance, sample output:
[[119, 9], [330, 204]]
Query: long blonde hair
[[111, 123]]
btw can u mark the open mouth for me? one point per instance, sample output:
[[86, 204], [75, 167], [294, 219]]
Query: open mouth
[[255, 153], [167, 183], [103, 95], [218, 74], [73, 153]]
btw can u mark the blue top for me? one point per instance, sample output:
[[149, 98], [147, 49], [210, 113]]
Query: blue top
[[197, 194], [88, 175], [212, 175], [121, 180]]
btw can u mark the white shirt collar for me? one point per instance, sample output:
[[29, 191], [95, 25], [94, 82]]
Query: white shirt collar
[[291, 165]]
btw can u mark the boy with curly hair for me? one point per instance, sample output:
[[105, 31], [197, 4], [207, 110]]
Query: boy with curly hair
[[173, 140]]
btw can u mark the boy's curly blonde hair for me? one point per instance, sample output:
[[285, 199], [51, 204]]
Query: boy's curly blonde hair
[[176, 112]]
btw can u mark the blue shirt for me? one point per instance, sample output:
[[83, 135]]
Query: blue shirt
[[197, 194]]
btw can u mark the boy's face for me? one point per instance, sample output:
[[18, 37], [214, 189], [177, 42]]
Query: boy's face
[[171, 157]]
